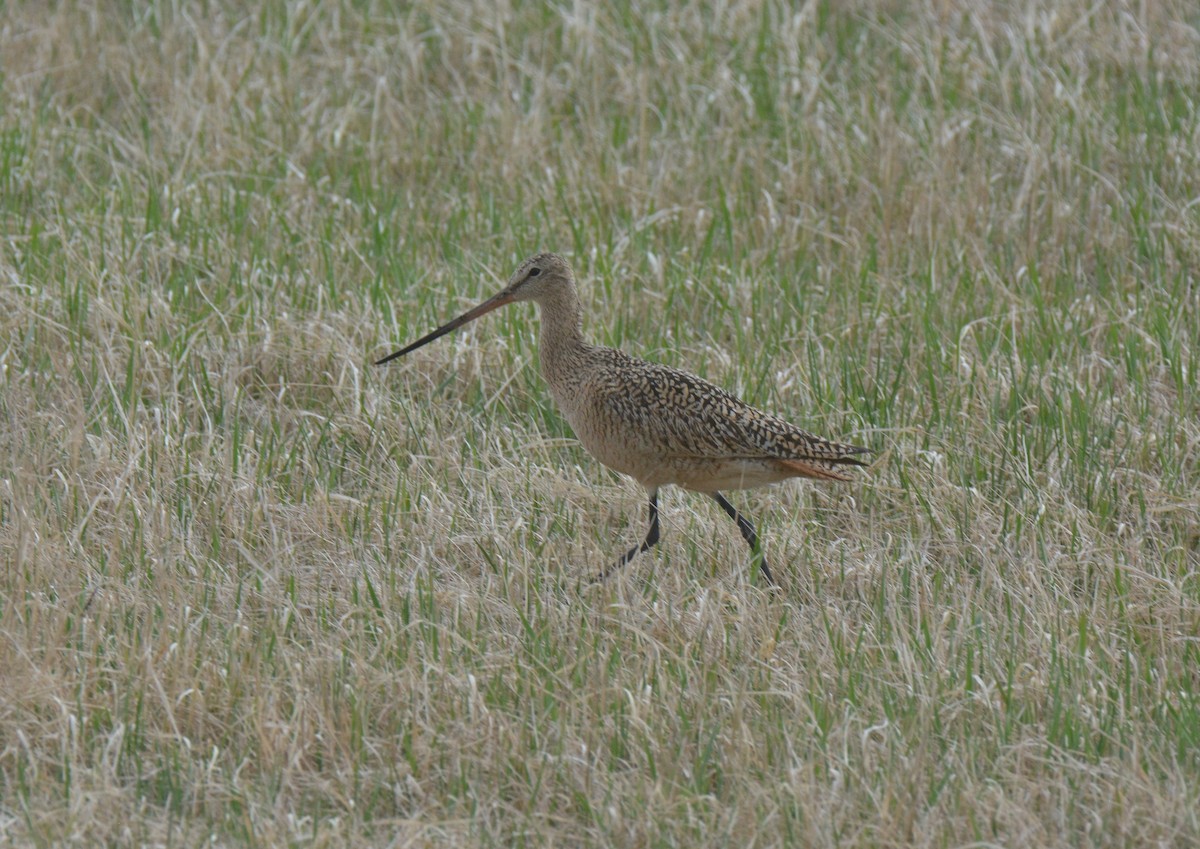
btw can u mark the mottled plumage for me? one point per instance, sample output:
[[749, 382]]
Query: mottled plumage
[[654, 423], [674, 427]]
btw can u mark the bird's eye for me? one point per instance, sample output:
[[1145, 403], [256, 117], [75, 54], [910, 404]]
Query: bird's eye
[[535, 271]]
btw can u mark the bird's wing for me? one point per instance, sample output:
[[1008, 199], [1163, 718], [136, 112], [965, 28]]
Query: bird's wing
[[679, 414]]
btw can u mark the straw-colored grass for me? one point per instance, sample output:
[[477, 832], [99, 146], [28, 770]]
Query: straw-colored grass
[[254, 591]]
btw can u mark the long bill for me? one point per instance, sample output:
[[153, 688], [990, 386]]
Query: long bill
[[498, 300]]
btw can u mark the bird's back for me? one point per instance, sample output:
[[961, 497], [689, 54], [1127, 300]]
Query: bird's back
[[662, 425]]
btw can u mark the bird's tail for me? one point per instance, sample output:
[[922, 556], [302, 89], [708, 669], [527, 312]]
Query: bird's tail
[[827, 468]]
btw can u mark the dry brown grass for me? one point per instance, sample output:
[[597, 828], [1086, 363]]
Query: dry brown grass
[[254, 592]]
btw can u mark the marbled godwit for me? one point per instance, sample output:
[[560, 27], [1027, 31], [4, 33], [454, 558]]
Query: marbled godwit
[[656, 424]]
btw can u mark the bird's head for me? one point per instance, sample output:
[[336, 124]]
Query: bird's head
[[538, 277]]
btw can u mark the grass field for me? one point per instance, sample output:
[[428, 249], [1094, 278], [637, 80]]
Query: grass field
[[257, 592]]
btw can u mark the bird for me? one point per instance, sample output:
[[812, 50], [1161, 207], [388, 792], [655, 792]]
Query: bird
[[659, 425]]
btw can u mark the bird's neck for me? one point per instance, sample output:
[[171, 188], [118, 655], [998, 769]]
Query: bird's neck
[[562, 325], [562, 345]]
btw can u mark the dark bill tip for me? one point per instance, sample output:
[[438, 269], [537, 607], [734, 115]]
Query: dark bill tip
[[484, 308]]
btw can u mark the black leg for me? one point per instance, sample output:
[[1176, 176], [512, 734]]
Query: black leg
[[651, 539], [748, 534]]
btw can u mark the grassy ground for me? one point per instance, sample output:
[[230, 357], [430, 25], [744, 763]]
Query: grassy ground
[[256, 592]]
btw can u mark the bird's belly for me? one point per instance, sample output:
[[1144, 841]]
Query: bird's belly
[[628, 459], [630, 452], [619, 451], [654, 468], [711, 475]]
